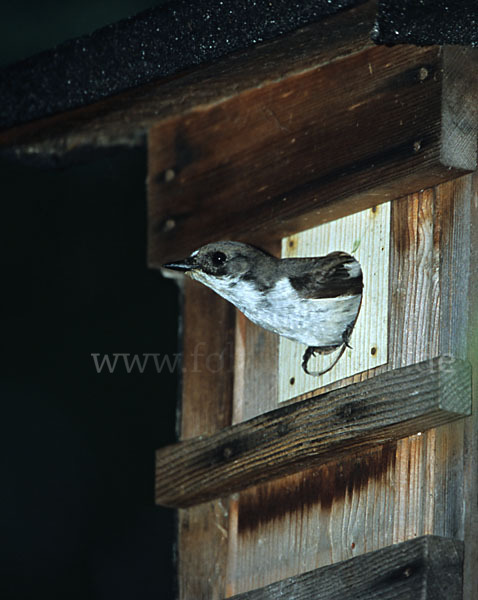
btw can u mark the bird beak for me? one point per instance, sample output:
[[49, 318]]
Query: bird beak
[[182, 265]]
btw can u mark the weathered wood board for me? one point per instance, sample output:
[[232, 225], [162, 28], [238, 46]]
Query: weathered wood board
[[205, 408], [321, 144], [469, 347], [428, 567], [381, 409]]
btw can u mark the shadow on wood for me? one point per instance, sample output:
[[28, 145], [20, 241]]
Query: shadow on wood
[[428, 567], [387, 407]]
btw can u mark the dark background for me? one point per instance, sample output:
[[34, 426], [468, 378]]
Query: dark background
[[28, 27], [77, 513]]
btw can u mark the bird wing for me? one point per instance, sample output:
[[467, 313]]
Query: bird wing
[[337, 274]]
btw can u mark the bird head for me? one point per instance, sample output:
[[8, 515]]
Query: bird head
[[220, 262]]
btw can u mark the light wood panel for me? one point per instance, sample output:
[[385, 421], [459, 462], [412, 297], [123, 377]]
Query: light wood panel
[[365, 235]]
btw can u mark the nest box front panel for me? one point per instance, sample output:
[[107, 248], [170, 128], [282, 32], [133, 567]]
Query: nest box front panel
[[366, 236]]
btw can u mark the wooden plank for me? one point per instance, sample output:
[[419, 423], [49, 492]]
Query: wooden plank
[[462, 261], [255, 365], [206, 408], [365, 235], [256, 358], [207, 362], [425, 484], [301, 151], [123, 121], [433, 235], [428, 567], [384, 408]]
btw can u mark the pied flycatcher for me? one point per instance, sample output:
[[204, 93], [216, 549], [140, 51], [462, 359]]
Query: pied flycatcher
[[313, 301]]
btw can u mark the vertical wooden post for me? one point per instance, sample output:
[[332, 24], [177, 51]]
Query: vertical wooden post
[[206, 408], [470, 475]]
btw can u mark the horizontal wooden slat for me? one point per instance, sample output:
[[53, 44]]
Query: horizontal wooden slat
[[428, 567], [123, 121], [291, 154], [387, 407]]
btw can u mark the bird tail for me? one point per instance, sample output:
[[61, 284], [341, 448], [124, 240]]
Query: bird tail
[[307, 355]]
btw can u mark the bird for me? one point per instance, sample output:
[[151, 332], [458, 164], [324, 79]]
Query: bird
[[313, 301]]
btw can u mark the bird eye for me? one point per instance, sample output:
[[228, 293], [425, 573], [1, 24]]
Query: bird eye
[[218, 258]]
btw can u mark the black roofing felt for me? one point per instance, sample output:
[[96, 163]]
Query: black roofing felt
[[153, 44], [165, 40], [427, 22]]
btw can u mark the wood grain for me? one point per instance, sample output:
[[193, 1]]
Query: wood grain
[[425, 484], [433, 267], [203, 531], [207, 361], [301, 151], [385, 408], [257, 356], [124, 120], [465, 254], [365, 235], [428, 567]]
